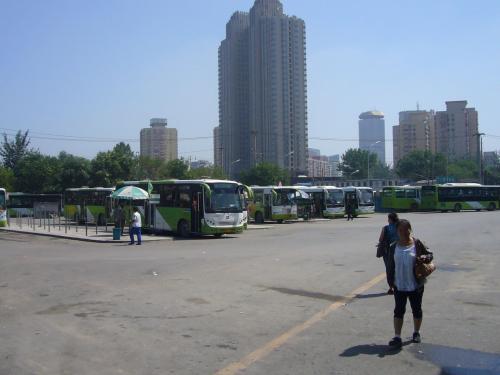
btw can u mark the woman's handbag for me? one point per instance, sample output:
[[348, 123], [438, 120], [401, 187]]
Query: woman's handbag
[[423, 270], [423, 265]]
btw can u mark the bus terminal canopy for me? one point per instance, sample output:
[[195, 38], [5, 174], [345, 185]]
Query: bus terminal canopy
[[130, 193]]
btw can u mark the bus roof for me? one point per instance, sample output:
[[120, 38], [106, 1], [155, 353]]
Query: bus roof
[[311, 189], [2, 189], [332, 188], [17, 194], [402, 187], [353, 188], [90, 189], [175, 181]]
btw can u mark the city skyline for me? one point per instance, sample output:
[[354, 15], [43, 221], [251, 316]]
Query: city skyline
[[60, 76]]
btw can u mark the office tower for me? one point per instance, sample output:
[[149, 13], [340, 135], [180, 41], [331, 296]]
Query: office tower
[[158, 141], [217, 147], [262, 90], [456, 131], [372, 133], [414, 132]]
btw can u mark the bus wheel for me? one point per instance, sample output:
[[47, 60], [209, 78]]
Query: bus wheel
[[280, 221], [218, 235], [414, 207], [457, 208], [492, 207], [183, 229], [259, 219]]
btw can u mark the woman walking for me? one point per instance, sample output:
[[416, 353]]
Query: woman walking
[[402, 258], [388, 236]]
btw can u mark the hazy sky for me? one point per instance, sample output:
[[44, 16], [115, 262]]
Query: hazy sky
[[103, 68]]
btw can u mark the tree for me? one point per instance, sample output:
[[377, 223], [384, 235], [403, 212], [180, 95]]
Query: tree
[[463, 170], [109, 167], [208, 172], [356, 159], [6, 178], [176, 169], [12, 151], [265, 174], [74, 171], [37, 173], [149, 168], [420, 165]]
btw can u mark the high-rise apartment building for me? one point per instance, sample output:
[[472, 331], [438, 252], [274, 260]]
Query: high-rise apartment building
[[372, 133], [217, 147], [414, 132], [456, 131], [158, 141], [262, 90]]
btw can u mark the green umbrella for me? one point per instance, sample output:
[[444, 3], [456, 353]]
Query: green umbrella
[[131, 193]]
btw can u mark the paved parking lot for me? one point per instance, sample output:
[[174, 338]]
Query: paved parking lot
[[300, 298]]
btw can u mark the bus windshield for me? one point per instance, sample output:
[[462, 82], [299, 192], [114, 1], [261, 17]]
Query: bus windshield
[[224, 198], [366, 197], [335, 198], [2, 200]]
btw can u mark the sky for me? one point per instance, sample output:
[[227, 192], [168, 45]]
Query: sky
[[98, 70]]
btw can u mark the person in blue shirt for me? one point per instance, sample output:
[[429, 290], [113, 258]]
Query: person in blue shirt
[[388, 236]]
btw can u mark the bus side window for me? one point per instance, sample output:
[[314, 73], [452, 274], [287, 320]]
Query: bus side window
[[167, 195]]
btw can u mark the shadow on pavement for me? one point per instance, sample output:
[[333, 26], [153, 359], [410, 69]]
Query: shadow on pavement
[[372, 295], [372, 349]]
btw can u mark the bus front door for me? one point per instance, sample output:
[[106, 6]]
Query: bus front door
[[196, 211]]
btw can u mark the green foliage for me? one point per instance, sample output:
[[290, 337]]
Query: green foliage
[[6, 178], [73, 171], [13, 151], [265, 174], [463, 170], [492, 175], [356, 159], [419, 165], [37, 173], [207, 172], [109, 167], [149, 168], [176, 169]]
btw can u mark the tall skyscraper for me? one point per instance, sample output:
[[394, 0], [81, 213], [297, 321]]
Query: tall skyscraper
[[262, 90], [372, 133], [456, 130], [158, 141], [414, 132], [217, 147]]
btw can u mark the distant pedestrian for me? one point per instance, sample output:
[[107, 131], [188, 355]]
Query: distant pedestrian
[[135, 227], [403, 256], [388, 236], [350, 208]]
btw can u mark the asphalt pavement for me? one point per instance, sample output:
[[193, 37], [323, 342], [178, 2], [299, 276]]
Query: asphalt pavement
[[297, 298]]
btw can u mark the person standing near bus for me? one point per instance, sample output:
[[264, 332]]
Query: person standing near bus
[[388, 236], [403, 256], [350, 208], [135, 227], [119, 218]]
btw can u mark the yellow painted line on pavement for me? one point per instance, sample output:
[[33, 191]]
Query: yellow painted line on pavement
[[279, 341]]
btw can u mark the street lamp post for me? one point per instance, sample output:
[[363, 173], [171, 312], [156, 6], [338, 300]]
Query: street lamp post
[[368, 169], [231, 167]]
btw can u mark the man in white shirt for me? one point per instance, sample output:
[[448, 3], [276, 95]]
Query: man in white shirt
[[135, 227]]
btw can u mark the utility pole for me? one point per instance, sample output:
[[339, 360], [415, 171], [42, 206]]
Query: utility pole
[[479, 155]]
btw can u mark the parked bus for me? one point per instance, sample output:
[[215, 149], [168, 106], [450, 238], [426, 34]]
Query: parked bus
[[88, 204], [335, 203], [318, 196], [206, 207], [401, 198], [457, 197], [36, 205], [362, 198], [274, 203], [3, 208]]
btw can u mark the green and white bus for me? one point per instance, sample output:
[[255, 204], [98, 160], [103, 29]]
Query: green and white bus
[[318, 196], [3, 208], [457, 197], [335, 204], [274, 203], [203, 207], [401, 198], [88, 204], [34, 205], [362, 198]]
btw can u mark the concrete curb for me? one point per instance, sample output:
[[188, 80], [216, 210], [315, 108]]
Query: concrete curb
[[82, 239]]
